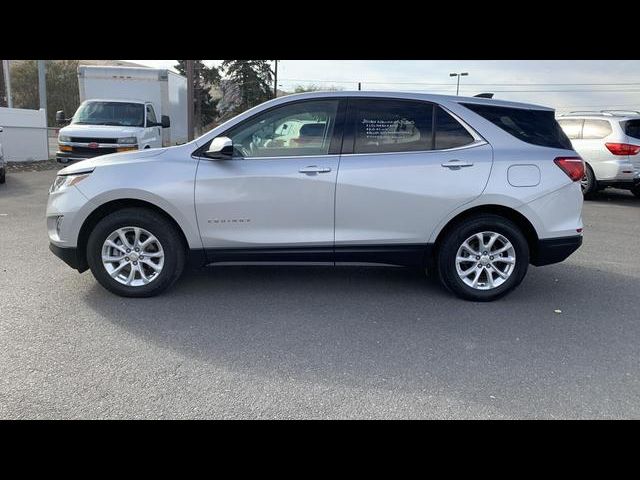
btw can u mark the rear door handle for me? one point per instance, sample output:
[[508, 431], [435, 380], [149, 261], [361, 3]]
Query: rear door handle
[[456, 164], [314, 169]]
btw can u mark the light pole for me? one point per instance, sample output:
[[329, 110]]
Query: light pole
[[275, 79], [463, 74]]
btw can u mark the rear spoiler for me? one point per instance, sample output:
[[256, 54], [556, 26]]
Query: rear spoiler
[[484, 95]]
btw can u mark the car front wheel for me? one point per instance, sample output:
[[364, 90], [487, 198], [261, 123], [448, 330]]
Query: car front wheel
[[135, 252], [483, 258]]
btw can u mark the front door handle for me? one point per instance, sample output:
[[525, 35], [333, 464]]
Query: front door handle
[[314, 169], [456, 164]]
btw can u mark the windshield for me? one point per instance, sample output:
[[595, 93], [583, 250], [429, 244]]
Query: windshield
[[110, 113]]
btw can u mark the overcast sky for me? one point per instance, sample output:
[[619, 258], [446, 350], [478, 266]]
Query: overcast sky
[[563, 84]]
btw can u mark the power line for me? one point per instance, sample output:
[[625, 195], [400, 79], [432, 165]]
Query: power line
[[467, 84]]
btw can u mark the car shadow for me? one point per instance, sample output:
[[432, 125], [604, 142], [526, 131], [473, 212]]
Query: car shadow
[[615, 196], [391, 328]]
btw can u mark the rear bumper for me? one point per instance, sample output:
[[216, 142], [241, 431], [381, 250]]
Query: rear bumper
[[69, 255], [554, 250], [624, 184]]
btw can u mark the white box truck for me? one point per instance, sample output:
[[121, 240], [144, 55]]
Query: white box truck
[[124, 108]]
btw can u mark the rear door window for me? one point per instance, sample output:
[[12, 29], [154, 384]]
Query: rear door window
[[632, 128], [594, 129], [537, 127], [573, 128], [449, 132], [382, 125]]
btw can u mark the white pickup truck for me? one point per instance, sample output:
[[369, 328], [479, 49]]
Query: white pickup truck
[[123, 108]]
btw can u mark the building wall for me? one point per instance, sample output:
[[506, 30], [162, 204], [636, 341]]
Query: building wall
[[25, 134]]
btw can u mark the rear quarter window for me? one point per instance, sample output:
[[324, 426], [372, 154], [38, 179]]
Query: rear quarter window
[[632, 128], [537, 127]]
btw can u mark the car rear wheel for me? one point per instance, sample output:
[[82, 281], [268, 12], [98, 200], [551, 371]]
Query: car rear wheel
[[483, 258], [588, 183], [636, 191], [135, 252], [3, 175]]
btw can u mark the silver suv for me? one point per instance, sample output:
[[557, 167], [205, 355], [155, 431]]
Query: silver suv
[[471, 189], [609, 143]]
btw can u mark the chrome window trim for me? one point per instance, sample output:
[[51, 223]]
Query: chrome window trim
[[476, 143]]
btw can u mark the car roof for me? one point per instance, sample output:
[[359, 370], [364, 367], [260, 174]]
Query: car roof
[[417, 96]]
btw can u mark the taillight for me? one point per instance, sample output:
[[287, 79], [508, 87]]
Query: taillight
[[623, 148], [572, 166]]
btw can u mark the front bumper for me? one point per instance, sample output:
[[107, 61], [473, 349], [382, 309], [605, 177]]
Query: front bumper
[[70, 256], [75, 156], [554, 250]]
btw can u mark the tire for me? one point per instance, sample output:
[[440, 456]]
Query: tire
[[589, 183], [636, 191], [164, 249], [3, 175], [505, 232]]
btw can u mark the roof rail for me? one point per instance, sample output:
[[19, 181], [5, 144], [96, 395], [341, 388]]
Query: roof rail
[[608, 113], [621, 112]]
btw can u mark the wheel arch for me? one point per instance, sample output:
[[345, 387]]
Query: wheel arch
[[516, 217], [112, 206]]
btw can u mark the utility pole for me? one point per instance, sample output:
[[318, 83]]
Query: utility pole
[[190, 99], [7, 82], [275, 80], [463, 74], [42, 87]]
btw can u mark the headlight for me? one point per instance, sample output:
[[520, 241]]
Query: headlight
[[65, 181], [64, 138], [128, 140]]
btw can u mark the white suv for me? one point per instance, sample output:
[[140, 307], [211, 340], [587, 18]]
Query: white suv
[[471, 188], [609, 143]]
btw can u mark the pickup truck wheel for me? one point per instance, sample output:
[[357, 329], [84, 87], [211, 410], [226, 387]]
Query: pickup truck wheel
[[483, 258], [135, 252]]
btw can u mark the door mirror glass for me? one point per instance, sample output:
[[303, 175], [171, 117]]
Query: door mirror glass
[[165, 122], [221, 148]]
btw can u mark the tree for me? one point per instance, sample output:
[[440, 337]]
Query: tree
[[62, 86], [315, 88], [205, 78], [3, 89], [252, 80]]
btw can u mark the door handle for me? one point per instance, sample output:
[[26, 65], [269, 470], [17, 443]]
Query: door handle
[[314, 169], [456, 164]]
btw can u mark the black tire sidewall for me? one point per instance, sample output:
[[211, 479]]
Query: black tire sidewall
[[449, 248], [636, 191], [161, 228], [592, 185]]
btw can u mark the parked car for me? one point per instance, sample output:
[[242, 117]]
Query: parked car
[[609, 143], [3, 163], [124, 108], [472, 189]]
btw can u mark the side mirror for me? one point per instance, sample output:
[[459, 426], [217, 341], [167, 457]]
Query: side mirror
[[60, 118], [165, 122], [220, 148]]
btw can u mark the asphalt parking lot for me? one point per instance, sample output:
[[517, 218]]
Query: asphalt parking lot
[[316, 342]]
